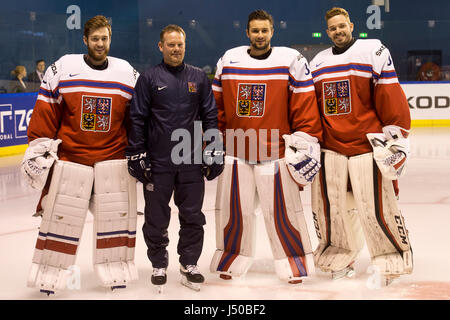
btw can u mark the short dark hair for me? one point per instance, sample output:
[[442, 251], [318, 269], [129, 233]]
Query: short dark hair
[[171, 28], [95, 23], [39, 61], [259, 15]]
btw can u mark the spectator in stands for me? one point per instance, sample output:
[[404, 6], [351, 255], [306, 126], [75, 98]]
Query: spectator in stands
[[35, 78], [18, 84]]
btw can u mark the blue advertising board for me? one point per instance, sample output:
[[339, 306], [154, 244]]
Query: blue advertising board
[[15, 114]]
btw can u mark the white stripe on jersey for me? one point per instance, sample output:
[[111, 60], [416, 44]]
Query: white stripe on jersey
[[343, 74], [255, 77], [95, 90], [387, 81], [305, 89], [217, 88], [49, 100]]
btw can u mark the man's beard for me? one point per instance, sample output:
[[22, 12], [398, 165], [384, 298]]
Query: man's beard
[[254, 45], [94, 55]]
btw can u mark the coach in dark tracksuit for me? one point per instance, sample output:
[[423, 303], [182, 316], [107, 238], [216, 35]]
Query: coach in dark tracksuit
[[169, 96]]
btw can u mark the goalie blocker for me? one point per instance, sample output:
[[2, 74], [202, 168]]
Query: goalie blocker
[[113, 204], [338, 228]]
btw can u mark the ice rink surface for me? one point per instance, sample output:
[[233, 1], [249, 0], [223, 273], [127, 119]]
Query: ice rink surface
[[424, 201]]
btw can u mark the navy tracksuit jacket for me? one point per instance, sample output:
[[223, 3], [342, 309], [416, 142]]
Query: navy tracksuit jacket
[[166, 99]]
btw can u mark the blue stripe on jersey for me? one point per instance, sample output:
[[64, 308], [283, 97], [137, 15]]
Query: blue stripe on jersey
[[306, 83], [388, 74], [48, 93], [281, 70], [217, 82], [346, 67], [108, 85]]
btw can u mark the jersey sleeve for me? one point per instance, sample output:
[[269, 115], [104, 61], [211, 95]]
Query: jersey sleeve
[[133, 75], [218, 95], [303, 110], [208, 110], [139, 113], [47, 112], [390, 100]]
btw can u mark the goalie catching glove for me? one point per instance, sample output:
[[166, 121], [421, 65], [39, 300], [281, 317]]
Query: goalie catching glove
[[390, 150], [302, 156], [37, 161], [139, 165]]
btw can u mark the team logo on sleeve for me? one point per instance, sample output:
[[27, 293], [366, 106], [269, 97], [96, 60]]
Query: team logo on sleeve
[[251, 99], [96, 113], [336, 97]]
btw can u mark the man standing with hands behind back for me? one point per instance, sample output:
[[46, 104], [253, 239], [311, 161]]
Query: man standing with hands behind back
[[366, 122]]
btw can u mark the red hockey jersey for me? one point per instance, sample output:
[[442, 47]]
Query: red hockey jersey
[[358, 92], [85, 108], [261, 100]]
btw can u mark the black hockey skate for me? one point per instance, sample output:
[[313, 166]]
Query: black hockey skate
[[159, 278], [191, 277]]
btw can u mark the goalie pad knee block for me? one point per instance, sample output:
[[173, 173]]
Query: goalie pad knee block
[[383, 224], [115, 214], [335, 218], [62, 224]]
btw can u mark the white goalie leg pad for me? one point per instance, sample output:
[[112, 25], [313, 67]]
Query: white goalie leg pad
[[62, 225], [284, 267], [238, 266], [335, 220], [235, 219], [284, 220], [115, 214], [383, 224], [393, 264]]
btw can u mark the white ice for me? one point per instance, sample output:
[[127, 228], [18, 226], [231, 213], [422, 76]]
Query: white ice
[[424, 201]]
